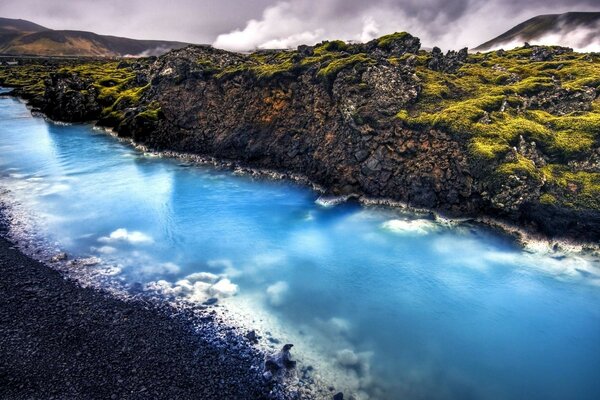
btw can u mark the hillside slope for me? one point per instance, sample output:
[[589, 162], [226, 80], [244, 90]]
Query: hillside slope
[[20, 37], [578, 30], [514, 135]]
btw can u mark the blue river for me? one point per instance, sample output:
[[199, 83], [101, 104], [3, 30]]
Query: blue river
[[383, 303]]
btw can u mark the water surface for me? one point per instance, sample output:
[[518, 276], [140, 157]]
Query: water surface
[[383, 304]]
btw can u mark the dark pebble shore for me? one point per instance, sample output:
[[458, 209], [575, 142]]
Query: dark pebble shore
[[61, 341]]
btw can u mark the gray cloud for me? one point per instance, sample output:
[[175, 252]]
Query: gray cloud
[[242, 25]]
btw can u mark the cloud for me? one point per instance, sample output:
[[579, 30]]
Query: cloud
[[202, 277], [448, 24], [224, 288], [582, 39], [250, 24], [105, 249], [184, 20], [167, 268], [123, 235]]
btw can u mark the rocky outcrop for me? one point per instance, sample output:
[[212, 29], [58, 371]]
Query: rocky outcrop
[[341, 133], [329, 112], [70, 98], [450, 62]]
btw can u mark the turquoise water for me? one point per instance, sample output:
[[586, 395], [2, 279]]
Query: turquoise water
[[384, 304]]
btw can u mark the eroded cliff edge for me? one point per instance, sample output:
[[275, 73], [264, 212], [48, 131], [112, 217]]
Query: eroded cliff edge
[[512, 135]]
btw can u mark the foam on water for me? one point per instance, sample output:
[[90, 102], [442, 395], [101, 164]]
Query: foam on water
[[380, 302], [411, 227]]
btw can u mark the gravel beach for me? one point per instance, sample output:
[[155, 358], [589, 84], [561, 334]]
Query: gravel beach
[[61, 341]]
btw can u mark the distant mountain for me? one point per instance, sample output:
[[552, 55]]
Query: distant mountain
[[579, 30], [20, 37]]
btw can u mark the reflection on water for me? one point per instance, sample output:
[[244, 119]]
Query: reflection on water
[[384, 304]]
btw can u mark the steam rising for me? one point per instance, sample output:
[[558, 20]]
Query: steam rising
[[247, 25], [582, 39]]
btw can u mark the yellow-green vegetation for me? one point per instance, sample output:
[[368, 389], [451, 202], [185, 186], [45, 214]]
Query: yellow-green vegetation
[[152, 112], [330, 57], [580, 189], [386, 41], [29, 78], [487, 102], [262, 65], [333, 46], [521, 166], [117, 87], [335, 66], [115, 84]]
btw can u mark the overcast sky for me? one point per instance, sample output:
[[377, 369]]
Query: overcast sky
[[249, 24]]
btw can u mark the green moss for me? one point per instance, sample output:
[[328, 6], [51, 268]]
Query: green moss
[[531, 86], [579, 189], [318, 59], [28, 78], [207, 65], [522, 167], [548, 198], [484, 102], [130, 97], [337, 65], [232, 70], [150, 114], [568, 135], [332, 46], [386, 41], [270, 70], [488, 148], [263, 65]]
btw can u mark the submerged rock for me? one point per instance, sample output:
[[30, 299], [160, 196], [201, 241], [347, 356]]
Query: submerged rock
[[252, 336], [277, 364], [211, 301]]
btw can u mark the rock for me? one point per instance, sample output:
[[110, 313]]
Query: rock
[[546, 53], [561, 101], [252, 336], [338, 396], [281, 360], [450, 62], [347, 358], [267, 375], [211, 301], [70, 98], [62, 256]]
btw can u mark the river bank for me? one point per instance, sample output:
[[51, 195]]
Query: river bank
[[59, 340]]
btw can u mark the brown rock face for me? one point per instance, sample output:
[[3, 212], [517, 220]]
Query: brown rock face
[[341, 132]]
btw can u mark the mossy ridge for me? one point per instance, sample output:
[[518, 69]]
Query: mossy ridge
[[152, 112], [262, 65], [577, 189], [384, 42], [335, 66], [329, 58], [117, 87], [28, 78], [485, 99]]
